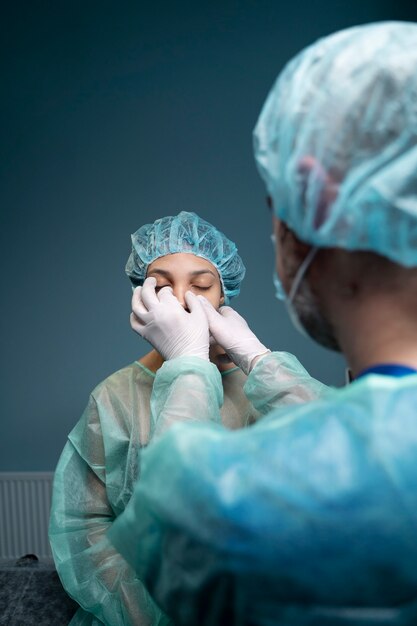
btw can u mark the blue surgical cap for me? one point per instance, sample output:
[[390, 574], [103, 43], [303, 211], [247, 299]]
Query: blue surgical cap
[[336, 141], [186, 232]]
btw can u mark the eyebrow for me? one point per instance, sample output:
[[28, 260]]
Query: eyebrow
[[194, 273]]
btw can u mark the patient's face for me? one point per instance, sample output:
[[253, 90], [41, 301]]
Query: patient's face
[[187, 272]]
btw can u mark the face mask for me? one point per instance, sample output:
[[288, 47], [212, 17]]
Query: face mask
[[279, 289], [289, 299]]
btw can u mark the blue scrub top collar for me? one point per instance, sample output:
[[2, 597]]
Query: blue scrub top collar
[[388, 369]]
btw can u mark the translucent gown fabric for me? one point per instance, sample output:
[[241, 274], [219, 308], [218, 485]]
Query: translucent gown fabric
[[93, 483], [336, 141], [186, 232], [307, 517]]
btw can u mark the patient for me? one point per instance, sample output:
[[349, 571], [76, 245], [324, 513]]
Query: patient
[[98, 468]]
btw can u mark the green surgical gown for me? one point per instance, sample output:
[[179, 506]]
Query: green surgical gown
[[93, 483], [307, 518]]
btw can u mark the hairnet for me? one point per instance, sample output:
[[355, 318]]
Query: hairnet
[[336, 141], [186, 232]]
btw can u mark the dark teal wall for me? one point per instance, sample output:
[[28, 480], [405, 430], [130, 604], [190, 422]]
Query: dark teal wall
[[114, 115]]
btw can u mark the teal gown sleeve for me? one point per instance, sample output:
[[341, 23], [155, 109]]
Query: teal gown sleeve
[[307, 517], [179, 386], [92, 571], [279, 379]]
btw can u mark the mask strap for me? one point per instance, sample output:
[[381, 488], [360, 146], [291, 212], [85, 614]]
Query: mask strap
[[301, 272]]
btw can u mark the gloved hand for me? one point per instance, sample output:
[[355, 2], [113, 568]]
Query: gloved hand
[[231, 331], [161, 320]]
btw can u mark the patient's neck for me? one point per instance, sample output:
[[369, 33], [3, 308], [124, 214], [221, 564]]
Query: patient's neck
[[219, 357], [152, 361]]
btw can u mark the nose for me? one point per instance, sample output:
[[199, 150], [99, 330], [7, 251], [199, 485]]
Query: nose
[[179, 293]]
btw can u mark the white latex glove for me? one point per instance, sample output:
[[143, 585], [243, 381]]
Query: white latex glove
[[161, 320], [231, 331]]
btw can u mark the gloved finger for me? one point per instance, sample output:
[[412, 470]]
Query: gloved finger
[[212, 340], [207, 305], [209, 309], [166, 295], [233, 316], [148, 293], [215, 322], [138, 307], [136, 324], [227, 311], [136, 295], [195, 307]]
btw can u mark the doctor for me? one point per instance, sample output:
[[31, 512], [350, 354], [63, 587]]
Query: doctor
[[309, 516]]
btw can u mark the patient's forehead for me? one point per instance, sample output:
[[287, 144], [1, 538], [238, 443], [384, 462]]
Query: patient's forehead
[[183, 263]]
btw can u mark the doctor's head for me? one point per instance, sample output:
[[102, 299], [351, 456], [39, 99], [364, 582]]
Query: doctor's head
[[336, 145]]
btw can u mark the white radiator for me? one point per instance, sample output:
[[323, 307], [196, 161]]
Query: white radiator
[[25, 502]]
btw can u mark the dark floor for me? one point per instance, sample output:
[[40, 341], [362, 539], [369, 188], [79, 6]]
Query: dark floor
[[31, 594]]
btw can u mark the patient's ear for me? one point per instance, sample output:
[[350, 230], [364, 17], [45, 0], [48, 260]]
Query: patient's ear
[[222, 301], [312, 173]]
